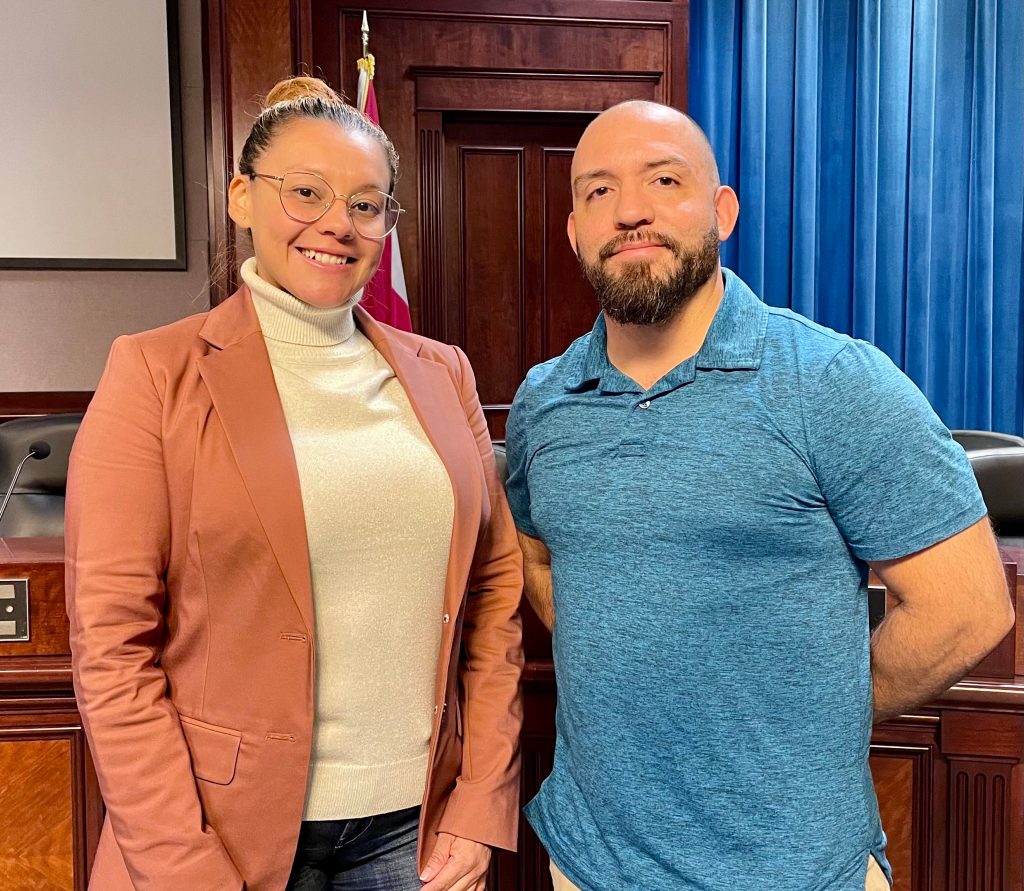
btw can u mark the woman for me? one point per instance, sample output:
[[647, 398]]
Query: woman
[[292, 576]]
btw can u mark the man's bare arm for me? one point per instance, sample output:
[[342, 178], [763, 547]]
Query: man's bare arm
[[953, 609], [537, 575]]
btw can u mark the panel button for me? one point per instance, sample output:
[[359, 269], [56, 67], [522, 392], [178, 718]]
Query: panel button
[[14, 610]]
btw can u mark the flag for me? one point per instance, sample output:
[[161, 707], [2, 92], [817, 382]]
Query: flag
[[385, 296]]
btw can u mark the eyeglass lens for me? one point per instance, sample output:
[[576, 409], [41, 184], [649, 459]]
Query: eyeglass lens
[[306, 197]]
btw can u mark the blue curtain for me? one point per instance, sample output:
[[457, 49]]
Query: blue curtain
[[877, 147]]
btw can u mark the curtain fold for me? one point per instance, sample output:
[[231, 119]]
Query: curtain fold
[[877, 147]]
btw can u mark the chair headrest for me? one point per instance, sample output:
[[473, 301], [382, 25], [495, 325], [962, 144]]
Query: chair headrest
[[975, 440], [1000, 475], [48, 475]]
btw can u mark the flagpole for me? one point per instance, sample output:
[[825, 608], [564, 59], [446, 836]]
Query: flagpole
[[387, 298], [365, 65]]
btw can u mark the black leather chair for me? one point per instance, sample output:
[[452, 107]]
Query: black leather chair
[[1000, 474], [501, 460], [37, 505], [975, 440]]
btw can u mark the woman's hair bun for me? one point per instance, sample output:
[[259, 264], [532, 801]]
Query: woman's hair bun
[[294, 89]]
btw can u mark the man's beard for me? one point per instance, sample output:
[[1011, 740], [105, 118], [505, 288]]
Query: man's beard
[[636, 296]]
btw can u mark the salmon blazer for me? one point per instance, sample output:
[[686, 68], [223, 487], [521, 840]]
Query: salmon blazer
[[191, 608]]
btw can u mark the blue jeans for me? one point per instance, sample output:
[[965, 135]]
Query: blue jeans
[[366, 854]]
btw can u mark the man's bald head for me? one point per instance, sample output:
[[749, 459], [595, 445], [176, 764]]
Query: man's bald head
[[639, 117], [648, 211]]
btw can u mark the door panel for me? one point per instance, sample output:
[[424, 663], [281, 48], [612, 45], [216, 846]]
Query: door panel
[[513, 292]]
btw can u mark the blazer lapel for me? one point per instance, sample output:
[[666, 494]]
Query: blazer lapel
[[241, 384], [437, 405]]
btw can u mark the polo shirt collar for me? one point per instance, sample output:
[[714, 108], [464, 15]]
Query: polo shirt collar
[[735, 341]]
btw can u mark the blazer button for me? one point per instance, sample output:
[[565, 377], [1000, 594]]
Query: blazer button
[[445, 618]]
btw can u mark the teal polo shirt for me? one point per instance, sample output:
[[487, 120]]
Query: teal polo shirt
[[708, 539]]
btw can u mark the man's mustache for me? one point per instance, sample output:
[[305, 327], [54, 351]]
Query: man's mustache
[[646, 236]]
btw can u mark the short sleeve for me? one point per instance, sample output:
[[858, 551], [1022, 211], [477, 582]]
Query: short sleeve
[[893, 478], [517, 489]]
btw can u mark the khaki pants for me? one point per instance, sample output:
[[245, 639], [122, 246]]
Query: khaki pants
[[875, 880]]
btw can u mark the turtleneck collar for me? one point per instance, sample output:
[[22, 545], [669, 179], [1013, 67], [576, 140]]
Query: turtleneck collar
[[286, 319]]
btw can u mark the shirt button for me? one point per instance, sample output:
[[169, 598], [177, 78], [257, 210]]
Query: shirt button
[[645, 404], [445, 618]]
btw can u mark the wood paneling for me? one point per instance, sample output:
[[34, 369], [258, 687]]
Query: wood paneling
[[48, 619], [512, 293], [496, 90], [570, 306], [50, 807], [486, 292], [443, 58], [52, 811], [974, 732], [35, 820], [1002, 661], [429, 310], [902, 776], [22, 405], [43, 662], [985, 751], [979, 795], [249, 45], [528, 868]]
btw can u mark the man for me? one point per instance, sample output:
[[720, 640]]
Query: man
[[700, 484]]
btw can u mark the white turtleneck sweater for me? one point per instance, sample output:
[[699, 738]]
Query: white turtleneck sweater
[[379, 507]]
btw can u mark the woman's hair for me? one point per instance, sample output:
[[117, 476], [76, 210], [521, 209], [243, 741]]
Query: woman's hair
[[309, 97]]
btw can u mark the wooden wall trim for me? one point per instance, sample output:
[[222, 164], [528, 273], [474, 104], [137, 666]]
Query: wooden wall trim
[[533, 73], [219, 160], [248, 46], [18, 405], [302, 35], [496, 90], [919, 800], [431, 223], [491, 18]]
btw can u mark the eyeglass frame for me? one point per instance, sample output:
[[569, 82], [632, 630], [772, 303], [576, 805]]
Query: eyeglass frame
[[337, 195]]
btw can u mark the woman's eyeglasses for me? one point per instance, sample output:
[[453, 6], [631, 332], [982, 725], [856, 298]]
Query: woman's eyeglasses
[[306, 197]]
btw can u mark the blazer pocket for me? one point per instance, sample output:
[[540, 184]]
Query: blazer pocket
[[214, 750]]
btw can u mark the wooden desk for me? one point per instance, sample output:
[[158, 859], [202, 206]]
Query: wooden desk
[[50, 807], [949, 777]]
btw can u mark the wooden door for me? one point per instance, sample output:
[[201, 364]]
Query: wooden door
[[485, 105], [513, 294]]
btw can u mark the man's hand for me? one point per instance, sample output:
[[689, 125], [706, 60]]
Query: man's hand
[[456, 864], [537, 578], [953, 609]]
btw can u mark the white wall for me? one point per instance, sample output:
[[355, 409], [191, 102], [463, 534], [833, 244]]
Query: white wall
[[56, 326]]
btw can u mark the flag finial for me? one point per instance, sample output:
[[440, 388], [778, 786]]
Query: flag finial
[[365, 30]]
